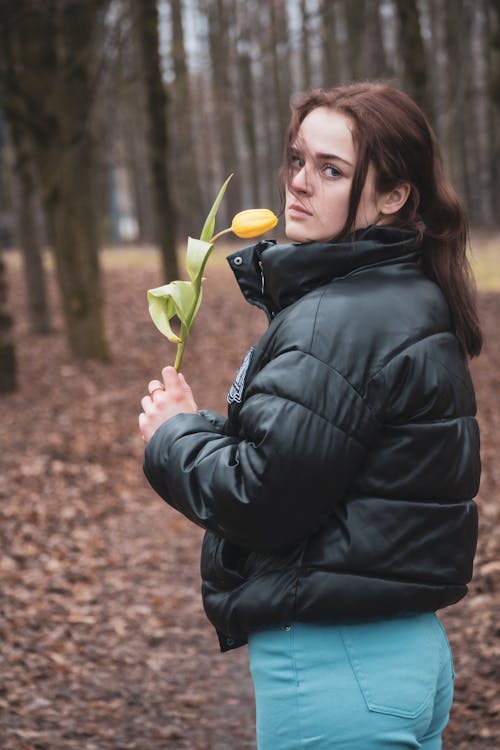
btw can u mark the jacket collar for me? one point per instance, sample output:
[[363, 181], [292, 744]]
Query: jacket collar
[[273, 276]]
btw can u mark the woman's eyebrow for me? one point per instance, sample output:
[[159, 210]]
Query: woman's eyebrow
[[321, 157], [297, 150]]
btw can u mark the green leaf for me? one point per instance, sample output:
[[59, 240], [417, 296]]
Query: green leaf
[[195, 311], [197, 255], [208, 228], [176, 298]]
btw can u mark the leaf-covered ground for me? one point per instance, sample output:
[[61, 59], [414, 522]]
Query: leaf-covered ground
[[103, 642]]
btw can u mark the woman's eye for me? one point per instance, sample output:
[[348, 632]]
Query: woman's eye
[[297, 163], [331, 171]]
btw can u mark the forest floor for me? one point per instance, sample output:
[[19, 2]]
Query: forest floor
[[103, 642]]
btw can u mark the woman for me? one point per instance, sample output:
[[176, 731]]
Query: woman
[[337, 496]]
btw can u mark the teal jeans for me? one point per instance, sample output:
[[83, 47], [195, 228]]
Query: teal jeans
[[383, 685]]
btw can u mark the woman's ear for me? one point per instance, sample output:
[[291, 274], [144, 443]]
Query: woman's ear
[[391, 202]]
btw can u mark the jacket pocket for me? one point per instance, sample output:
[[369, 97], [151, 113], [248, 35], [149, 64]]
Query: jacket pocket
[[396, 663], [223, 562]]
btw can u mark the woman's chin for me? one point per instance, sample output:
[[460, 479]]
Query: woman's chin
[[294, 233]]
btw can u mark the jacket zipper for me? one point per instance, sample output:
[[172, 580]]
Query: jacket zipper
[[261, 277]]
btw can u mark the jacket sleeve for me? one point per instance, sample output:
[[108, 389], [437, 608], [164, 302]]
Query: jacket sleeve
[[304, 432]]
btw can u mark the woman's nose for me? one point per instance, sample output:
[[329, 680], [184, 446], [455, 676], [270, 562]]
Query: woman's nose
[[300, 181]]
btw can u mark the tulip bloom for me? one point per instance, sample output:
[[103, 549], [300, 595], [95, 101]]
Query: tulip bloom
[[183, 298], [250, 223], [253, 222]]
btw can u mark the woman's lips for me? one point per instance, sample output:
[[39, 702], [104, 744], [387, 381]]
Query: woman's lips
[[296, 211]]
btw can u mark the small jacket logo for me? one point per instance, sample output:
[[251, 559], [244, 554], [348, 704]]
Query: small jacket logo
[[236, 391]]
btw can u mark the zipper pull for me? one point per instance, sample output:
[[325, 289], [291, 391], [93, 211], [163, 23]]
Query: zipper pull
[[261, 276]]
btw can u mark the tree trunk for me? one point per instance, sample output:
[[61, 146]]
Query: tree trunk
[[136, 160], [454, 117], [353, 12], [440, 74], [305, 48], [67, 166], [191, 204], [222, 90], [329, 46], [73, 233], [495, 94], [268, 126], [122, 109], [374, 63], [48, 72], [280, 63], [34, 272], [413, 54], [206, 139], [482, 114], [277, 85], [247, 88], [8, 368], [157, 106]]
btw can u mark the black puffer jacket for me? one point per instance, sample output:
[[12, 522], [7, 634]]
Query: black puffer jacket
[[340, 486]]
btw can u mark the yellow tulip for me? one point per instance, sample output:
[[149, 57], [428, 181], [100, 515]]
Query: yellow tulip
[[182, 299], [253, 222]]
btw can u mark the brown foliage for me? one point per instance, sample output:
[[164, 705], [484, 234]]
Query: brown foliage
[[103, 641]]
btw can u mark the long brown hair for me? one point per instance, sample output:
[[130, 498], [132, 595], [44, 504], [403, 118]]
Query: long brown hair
[[392, 133]]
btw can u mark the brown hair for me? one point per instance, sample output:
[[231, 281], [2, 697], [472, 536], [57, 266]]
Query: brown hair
[[392, 133]]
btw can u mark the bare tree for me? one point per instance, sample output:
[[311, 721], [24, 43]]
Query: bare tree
[[146, 17], [451, 107], [190, 200], [482, 200], [352, 11], [8, 365], [221, 57], [280, 60], [450, 85], [29, 235], [125, 127], [47, 80], [495, 93], [248, 99], [274, 89], [413, 53], [305, 48], [440, 69], [374, 63], [270, 137], [330, 46]]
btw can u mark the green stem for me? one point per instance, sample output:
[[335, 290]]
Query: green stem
[[180, 347], [219, 234], [186, 328]]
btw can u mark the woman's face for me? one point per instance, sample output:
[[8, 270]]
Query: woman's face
[[317, 196]]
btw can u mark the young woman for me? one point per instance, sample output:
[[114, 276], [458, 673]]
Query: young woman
[[338, 494]]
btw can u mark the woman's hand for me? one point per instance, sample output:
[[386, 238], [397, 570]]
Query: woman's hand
[[166, 399]]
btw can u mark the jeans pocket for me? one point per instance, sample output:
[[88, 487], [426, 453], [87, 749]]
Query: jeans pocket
[[396, 663]]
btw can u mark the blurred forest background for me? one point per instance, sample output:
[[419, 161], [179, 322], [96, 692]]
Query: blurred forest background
[[119, 120]]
